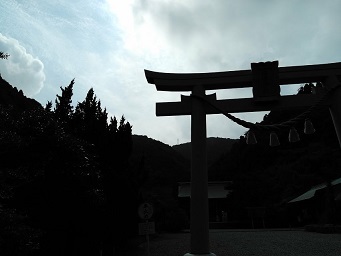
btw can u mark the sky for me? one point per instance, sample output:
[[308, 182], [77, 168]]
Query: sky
[[107, 44]]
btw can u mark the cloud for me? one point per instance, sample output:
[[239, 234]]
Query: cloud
[[21, 69], [203, 36]]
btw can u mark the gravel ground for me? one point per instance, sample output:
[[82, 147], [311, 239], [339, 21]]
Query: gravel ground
[[247, 243]]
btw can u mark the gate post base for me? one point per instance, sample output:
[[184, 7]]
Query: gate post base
[[209, 254]]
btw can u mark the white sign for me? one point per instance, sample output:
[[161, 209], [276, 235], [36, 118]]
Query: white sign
[[147, 228], [145, 211]]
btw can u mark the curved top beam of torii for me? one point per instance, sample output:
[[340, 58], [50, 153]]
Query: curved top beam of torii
[[240, 78]]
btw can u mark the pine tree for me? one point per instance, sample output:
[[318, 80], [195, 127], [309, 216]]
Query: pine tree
[[124, 133], [64, 110], [113, 125], [90, 120], [48, 106]]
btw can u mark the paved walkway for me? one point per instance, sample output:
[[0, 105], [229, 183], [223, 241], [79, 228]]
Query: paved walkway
[[248, 243]]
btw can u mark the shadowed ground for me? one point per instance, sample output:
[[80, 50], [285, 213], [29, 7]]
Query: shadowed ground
[[248, 243]]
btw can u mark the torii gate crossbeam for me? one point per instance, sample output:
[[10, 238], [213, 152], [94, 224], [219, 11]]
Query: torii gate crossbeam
[[198, 83]]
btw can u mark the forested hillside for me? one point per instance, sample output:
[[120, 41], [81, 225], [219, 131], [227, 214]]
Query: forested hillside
[[162, 163], [216, 147]]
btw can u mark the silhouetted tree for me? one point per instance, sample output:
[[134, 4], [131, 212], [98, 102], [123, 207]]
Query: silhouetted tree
[[116, 151], [306, 89], [113, 125], [90, 120], [64, 109], [4, 55], [48, 106]]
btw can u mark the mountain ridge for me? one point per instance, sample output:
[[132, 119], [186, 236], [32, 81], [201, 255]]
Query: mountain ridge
[[216, 147], [11, 96]]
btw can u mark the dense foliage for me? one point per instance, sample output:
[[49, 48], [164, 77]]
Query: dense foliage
[[64, 177]]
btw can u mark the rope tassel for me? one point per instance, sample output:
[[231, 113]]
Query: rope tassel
[[293, 135], [251, 138], [274, 141], [308, 127]]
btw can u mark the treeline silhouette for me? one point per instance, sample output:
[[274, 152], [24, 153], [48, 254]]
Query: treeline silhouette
[[65, 183]]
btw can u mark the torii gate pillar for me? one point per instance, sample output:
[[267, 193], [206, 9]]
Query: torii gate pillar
[[199, 221]]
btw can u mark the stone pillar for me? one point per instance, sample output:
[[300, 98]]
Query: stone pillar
[[199, 220]]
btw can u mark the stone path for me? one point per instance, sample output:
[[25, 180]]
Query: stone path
[[248, 243]]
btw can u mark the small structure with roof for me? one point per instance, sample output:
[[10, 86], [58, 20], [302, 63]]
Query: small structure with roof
[[218, 193], [319, 204]]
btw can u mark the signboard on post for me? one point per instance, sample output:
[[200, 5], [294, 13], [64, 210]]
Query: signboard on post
[[147, 228], [145, 211]]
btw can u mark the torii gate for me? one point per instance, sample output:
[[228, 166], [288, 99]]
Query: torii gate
[[265, 78]]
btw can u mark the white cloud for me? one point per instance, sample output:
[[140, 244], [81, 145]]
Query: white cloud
[[21, 69]]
